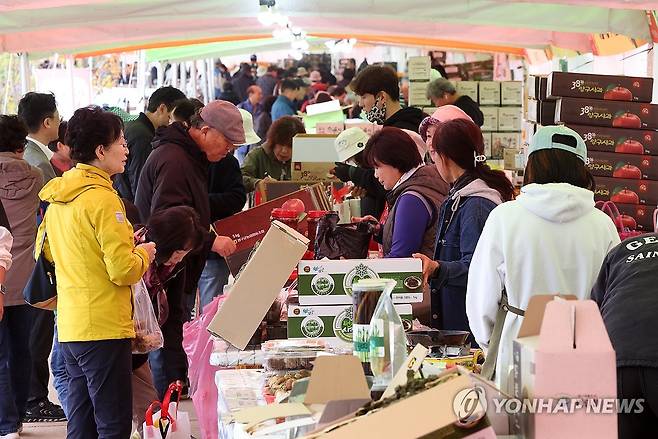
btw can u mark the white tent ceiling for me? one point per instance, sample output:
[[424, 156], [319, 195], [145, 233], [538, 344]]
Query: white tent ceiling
[[74, 26]]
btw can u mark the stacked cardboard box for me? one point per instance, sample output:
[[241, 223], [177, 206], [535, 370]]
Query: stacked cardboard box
[[500, 103], [614, 116], [325, 295]]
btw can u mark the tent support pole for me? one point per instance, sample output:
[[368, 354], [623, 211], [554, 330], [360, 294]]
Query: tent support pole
[[25, 73], [193, 81], [69, 74], [211, 79], [8, 80]]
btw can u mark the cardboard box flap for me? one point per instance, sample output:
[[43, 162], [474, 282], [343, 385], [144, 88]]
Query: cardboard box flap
[[574, 325], [314, 148], [336, 377], [323, 107], [534, 314], [258, 285]]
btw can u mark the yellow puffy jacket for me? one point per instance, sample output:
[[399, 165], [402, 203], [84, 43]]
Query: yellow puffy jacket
[[91, 244]]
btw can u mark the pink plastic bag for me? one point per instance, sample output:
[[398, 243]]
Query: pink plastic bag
[[198, 345]]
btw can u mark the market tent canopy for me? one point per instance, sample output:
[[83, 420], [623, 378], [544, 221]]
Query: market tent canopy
[[76, 26]]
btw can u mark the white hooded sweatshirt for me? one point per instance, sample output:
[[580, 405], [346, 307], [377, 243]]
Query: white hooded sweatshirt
[[551, 240]]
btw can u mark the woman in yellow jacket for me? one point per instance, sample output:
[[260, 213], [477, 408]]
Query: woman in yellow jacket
[[96, 261]]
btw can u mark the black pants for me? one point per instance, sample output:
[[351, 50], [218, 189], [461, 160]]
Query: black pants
[[41, 342], [169, 363], [15, 365], [638, 383], [100, 389]]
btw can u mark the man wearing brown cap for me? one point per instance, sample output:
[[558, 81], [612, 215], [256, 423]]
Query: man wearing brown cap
[[176, 174]]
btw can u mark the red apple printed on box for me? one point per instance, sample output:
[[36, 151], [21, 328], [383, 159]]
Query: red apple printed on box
[[625, 170], [629, 146], [618, 93], [624, 196], [625, 119]]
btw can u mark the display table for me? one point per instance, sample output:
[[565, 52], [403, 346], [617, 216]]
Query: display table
[[236, 389]]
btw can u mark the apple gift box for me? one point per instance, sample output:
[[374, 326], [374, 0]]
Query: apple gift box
[[605, 87], [610, 164], [618, 140], [626, 191], [613, 114], [636, 216]]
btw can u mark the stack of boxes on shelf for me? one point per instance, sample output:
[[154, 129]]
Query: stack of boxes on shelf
[[500, 103], [324, 287], [418, 73], [614, 116]]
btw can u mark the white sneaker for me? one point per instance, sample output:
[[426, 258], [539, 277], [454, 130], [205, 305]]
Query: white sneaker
[[10, 436]]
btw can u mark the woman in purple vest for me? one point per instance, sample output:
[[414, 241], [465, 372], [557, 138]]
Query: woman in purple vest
[[415, 193]]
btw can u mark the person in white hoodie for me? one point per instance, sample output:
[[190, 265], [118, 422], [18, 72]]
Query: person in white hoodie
[[458, 153], [550, 240]]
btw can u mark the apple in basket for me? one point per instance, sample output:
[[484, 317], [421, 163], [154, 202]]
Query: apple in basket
[[630, 146], [628, 222], [627, 120], [625, 196], [624, 170], [618, 94]]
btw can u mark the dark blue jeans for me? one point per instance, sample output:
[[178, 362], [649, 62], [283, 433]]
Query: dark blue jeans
[[100, 389], [215, 275], [60, 377], [15, 365]]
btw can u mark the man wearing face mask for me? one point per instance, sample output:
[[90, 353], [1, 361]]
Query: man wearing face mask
[[378, 92]]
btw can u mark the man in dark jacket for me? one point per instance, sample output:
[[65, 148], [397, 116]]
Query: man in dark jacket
[[176, 174], [268, 81], [626, 294], [227, 197], [242, 81], [139, 135], [443, 92]]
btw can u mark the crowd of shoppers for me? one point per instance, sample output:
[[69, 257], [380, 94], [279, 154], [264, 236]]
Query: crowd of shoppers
[[112, 205]]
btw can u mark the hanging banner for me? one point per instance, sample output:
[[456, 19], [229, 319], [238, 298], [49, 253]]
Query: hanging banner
[[652, 16], [612, 44]]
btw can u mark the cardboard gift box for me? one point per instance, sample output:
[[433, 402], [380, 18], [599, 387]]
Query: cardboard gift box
[[418, 68], [333, 128], [258, 285], [332, 323], [618, 140], [626, 191], [541, 112], [329, 282], [313, 157], [563, 355], [369, 128], [536, 87], [611, 164], [509, 119], [636, 216], [502, 141], [613, 114], [490, 115], [605, 87], [248, 227], [459, 408], [511, 93], [486, 137], [467, 88], [324, 112], [418, 94], [489, 92]]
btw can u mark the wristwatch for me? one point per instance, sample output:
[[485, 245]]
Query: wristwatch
[[3, 289]]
